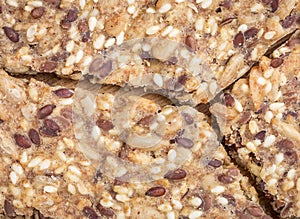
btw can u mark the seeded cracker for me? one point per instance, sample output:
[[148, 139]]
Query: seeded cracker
[[262, 126], [43, 168], [64, 36]]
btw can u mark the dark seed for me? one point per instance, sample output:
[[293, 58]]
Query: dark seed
[[50, 128], [266, 1], [123, 153], [89, 212], [37, 12], [260, 135], [291, 157], [229, 100], [188, 118], [288, 21], [82, 26], [104, 124], [85, 36], [227, 21], [96, 65], [34, 137], [145, 55], [231, 199], [72, 15], [22, 141], [172, 60], [146, 121], [62, 122], [255, 211], [1, 121], [64, 93], [65, 24], [182, 79], [67, 113], [108, 212], [250, 33], [185, 142], [206, 203], [233, 172], [105, 69], [156, 191], [54, 3], [274, 5], [225, 179], [175, 174], [190, 42], [285, 212], [293, 42], [48, 66], [244, 118], [226, 4], [285, 144], [215, 163], [238, 40], [46, 111], [11, 34], [9, 209], [276, 62], [263, 108]]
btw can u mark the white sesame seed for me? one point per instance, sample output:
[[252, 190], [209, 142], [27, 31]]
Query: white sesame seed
[[50, 189], [130, 2], [70, 60], [222, 200], [174, 33], [92, 23], [70, 45], [199, 24], [99, 42], [120, 38], [268, 116], [82, 4], [110, 42], [261, 81], [105, 202], [31, 32], [34, 162], [82, 189], [242, 27], [279, 158], [291, 174], [155, 170], [238, 106], [35, 3], [213, 86], [153, 30], [122, 198], [206, 3], [218, 189], [13, 177], [298, 184], [158, 80], [253, 127], [71, 189], [269, 140], [164, 207], [257, 8], [172, 155], [131, 9], [150, 10], [269, 35], [45, 164], [167, 30], [12, 3], [276, 106], [195, 214], [196, 202], [171, 215], [17, 168], [96, 132], [75, 170], [268, 87], [79, 56], [251, 146], [164, 8], [176, 204]]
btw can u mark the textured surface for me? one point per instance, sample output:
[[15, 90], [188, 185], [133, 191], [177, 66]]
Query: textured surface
[[262, 125], [44, 170], [64, 36]]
